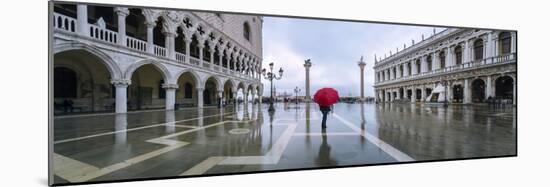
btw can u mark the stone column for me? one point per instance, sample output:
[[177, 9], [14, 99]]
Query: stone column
[[424, 64], [245, 98], [467, 95], [307, 65], [150, 44], [449, 58], [253, 92], [405, 70], [234, 62], [228, 62], [413, 95], [221, 51], [121, 87], [450, 90], [82, 20], [414, 67], [513, 45], [488, 48], [235, 98], [220, 98], [170, 95], [169, 41], [362, 65], [401, 70], [514, 99], [466, 53], [188, 41], [200, 100], [260, 98], [212, 49], [201, 47], [122, 13], [489, 87], [435, 61], [423, 93]]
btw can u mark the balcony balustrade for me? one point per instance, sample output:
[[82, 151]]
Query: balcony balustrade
[[69, 24], [501, 59], [137, 44], [103, 34], [180, 57], [64, 22]]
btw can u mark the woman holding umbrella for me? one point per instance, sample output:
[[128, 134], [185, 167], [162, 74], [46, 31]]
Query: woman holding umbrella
[[325, 97]]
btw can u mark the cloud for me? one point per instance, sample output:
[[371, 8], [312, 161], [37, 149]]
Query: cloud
[[334, 48]]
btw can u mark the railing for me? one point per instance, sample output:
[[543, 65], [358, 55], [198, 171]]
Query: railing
[[506, 58], [206, 64], [193, 60], [159, 51], [103, 34], [136, 44], [64, 22], [216, 68], [180, 57]]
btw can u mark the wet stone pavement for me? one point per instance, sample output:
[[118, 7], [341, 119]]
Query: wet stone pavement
[[188, 142]]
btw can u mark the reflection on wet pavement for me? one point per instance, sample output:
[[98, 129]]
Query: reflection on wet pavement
[[213, 141]]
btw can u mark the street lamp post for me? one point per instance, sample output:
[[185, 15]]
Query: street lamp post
[[271, 76], [297, 90]]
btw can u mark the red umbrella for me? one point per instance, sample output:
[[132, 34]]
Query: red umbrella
[[326, 96]]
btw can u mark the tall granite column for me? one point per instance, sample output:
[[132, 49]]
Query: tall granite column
[[307, 65]]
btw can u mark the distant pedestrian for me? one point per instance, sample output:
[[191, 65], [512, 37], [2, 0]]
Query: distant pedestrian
[[325, 110]]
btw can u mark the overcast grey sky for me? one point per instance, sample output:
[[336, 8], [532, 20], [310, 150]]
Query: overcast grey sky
[[334, 48]]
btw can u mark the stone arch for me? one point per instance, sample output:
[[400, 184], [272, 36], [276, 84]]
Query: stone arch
[[229, 86], [150, 14], [219, 85], [231, 81], [109, 63], [186, 94], [504, 87], [161, 67], [477, 88], [194, 74], [82, 81], [210, 92], [242, 85]]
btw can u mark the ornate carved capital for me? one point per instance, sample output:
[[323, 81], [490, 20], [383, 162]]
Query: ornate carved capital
[[170, 86], [121, 82], [122, 11]]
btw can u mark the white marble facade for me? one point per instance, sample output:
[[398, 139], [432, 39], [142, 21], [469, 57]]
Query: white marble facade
[[224, 49], [455, 65]]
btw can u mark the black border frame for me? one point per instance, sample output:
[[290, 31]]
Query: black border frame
[[50, 95]]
